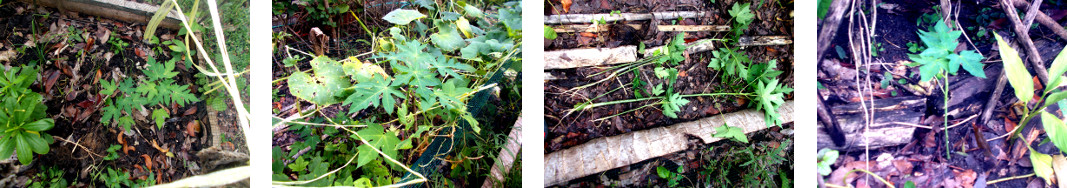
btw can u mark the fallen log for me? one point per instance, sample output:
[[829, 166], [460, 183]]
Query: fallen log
[[891, 126], [607, 153], [590, 18], [583, 57], [127, 11]]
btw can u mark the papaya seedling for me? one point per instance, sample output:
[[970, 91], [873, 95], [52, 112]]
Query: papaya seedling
[[940, 59]]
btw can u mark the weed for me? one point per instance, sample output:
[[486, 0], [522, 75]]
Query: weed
[[673, 177], [49, 177], [23, 118]]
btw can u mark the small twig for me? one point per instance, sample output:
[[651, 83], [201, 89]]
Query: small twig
[[79, 145], [1009, 179]]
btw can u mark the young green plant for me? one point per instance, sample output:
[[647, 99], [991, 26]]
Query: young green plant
[[940, 59], [1021, 81]]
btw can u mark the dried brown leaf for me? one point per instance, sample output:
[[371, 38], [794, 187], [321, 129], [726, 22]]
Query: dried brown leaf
[[566, 4], [147, 161]]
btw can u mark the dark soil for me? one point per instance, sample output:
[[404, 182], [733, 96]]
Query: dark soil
[[897, 27], [74, 100], [565, 130]]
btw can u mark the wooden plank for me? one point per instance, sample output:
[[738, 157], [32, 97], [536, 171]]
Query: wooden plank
[[590, 18], [602, 154], [121, 10], [572, 58], [507, 156]]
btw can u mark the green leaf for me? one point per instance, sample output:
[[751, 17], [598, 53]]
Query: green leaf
[[472, 11], [36, 143], [107, 87], [822, 8], [156, 71], [1042, 164], [414, 74], [328, 82], [148, 90], [373, 93], [661, 72], [23, 150], [1055, 72], [742, 13], [663, 172], [656, 91], [376, 136], [971, 62], [160, 116], [1017, 74], [1057, 131], [826, 157], [446, 66], [7, 145], [550, 33], [299, 165], [672, 104], [1055, 97], [730, 132], [126, 122], [40, 125], [447, 38], [112, 155], [403, 16], [769, 96]]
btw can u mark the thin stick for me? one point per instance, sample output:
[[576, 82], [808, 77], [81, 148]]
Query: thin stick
[[1009, 179], [79, 145]]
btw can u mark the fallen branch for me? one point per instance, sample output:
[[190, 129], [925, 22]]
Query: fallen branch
[[830, 25], [1021, 34], [1044, 20]]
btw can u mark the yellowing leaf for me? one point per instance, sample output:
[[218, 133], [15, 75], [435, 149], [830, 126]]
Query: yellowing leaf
[[464, 27], [1042, 165]]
